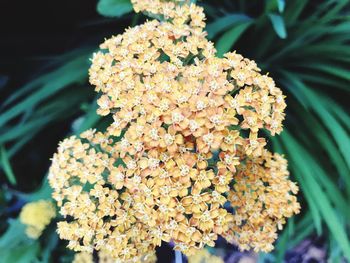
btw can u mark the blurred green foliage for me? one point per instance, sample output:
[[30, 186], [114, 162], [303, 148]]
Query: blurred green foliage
[[305, 47]]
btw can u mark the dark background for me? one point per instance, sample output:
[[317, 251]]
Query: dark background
[[32, 35], [33, 32]]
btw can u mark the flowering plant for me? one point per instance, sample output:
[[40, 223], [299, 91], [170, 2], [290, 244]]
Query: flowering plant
[[184, 159]]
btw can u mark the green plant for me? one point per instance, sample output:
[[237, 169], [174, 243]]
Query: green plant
[[308, 56], [304, 45]]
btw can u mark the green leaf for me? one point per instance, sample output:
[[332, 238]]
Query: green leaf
[[5, 164], [330, 69], [272, 5], [339, 134], [282, 245], [332, 191], [50, 241], [334, 252], [223, 23], [62, 105], [330, 50], [303, 229], [338, 112], [228, 39], [323, 80], [27, 253], [278, 25], [315, 213], [281, 5], [23, 129], [21, 142], [88, 120], [293, 10], [72, 72], [44, 192], [328, 145], [60, 70], [314, 101], [303, 171], [14, 235], [114, 8]]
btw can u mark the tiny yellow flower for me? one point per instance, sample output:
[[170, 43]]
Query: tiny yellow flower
[[182, 144], [36, 216]]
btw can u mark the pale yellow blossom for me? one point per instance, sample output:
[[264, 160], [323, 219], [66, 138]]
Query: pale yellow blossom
[[36, 216]]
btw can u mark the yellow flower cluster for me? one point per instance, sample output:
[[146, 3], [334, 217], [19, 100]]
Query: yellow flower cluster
[[103, 257], [203, 256], [99, 212], [182, 146], [83, 257], [172, 78], [181, 13], [262, 198], [36, 216]]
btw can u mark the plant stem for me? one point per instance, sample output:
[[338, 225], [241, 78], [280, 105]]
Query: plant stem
[[178, 256]]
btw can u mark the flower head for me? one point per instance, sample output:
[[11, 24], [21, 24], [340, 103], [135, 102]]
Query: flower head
[[36, 216], [184, 142]]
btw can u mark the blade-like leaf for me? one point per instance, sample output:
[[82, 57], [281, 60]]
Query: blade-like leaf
[[326, 142], [88, 120], [228, 39], [302, 170], [281, 5], [278, 25], [114, 8], [5, 165], [293, 10], [59, 65], [223, 23], [330, 69], [314, 102], [13, 235], [70, 73], [22, 254]]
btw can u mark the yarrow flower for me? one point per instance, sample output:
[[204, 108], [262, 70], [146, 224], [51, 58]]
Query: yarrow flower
[[203, 256], [103, 257], [88, 186], [36, 216], [83, 257], [182, 160]]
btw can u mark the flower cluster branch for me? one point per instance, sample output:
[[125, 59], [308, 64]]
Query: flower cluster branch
[[184, 159]]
